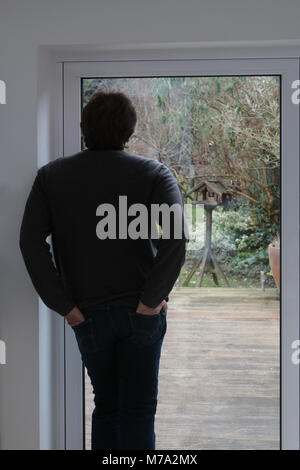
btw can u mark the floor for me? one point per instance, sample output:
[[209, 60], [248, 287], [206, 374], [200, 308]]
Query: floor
[[219, 371]]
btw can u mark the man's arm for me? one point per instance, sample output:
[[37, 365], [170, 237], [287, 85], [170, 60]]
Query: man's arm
[[35, 227], [171, 251]]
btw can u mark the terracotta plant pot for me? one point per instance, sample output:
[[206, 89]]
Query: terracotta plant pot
[[274, 258]]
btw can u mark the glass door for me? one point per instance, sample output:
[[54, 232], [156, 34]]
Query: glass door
[[228, 131]]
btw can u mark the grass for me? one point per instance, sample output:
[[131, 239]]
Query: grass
[[237, 277]]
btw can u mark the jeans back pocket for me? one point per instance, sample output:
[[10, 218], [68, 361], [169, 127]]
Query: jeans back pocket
[[147, 329], [85, 336]]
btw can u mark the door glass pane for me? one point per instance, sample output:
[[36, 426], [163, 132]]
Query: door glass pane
[[220, 365]]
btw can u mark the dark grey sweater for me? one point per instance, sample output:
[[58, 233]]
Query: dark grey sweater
[[85, 270]]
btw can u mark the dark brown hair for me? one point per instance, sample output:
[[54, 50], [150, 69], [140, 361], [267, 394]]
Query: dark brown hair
[[108, 120]]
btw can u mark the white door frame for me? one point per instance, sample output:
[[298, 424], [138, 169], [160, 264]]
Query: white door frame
[[288, 69]]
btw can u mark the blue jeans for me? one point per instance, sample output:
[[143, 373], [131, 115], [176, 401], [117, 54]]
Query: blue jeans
[[121, 350]]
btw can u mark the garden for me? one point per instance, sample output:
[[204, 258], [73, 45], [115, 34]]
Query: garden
[[219, 130]]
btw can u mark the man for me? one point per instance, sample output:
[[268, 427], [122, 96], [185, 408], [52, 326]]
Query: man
[[111, 288]]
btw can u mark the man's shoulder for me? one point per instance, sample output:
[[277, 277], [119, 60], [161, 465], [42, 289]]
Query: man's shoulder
[[148, 164], [142, 164], [152, 162], [142, 159], [58, 164]]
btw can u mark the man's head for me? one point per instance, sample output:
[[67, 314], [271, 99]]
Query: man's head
[[108, 120]]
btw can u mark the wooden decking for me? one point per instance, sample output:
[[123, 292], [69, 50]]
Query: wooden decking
[[219, 371]]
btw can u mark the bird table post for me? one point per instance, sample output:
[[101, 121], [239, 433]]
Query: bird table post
[[212, 193]]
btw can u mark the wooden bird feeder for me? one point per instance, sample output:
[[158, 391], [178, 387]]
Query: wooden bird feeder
[[213, 194]]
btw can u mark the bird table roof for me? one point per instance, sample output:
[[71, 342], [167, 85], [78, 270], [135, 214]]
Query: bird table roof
[[215, 186]]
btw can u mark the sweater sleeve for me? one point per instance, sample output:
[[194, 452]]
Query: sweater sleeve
[[171, 246], [35, 228]]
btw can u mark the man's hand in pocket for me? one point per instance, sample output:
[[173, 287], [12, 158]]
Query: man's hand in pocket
[[142, 308], [74, 317]]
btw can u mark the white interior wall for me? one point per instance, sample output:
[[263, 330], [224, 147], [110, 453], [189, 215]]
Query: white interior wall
[[25, 25]]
